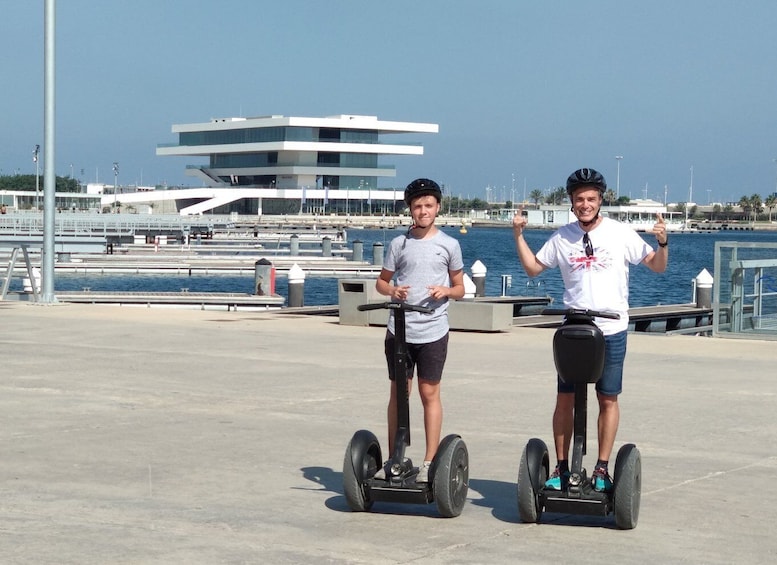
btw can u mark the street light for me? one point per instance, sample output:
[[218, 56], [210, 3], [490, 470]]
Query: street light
[[115, 182], [775, 186], [37, 176], [618, 176]]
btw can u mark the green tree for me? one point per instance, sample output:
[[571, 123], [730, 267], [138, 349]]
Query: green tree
[[27, 182], [557, 196], [535, 196], [770, 203], [757, 204], [746, 205], [610, 197]]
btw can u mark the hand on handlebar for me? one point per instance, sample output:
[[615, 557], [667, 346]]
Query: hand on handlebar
[[438, 292], [400, 293]]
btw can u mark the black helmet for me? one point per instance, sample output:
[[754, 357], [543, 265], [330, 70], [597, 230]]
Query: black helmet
[[422, 187], [586, 177]]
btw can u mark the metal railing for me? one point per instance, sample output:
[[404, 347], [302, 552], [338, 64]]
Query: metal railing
[[745, 290], [91, 223]]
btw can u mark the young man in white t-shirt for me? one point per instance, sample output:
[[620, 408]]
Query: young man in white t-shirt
[[593, 254], [422, 267]]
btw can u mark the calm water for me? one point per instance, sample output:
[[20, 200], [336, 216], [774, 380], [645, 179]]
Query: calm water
[[494, 247]]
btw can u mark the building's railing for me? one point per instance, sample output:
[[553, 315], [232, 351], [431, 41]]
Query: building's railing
[[745, 291], [107, 224]]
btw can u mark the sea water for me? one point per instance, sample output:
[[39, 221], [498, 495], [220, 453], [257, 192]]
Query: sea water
[[689, 254]]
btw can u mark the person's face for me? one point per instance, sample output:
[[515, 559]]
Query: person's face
[[586, 203], [424, 210]]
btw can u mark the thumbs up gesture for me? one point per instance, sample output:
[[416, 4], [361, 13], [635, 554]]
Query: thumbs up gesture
[[519, 221], [659, 229]]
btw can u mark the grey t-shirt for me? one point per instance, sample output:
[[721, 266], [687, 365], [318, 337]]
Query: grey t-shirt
[[420, 263]]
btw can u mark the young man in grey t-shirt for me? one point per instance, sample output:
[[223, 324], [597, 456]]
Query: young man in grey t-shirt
[[423, 267]]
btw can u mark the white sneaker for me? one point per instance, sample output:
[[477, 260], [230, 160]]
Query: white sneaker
[[423, 472]]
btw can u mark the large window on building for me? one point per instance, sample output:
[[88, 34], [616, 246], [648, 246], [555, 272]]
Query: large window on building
[[359, 136], [362, 160], [242, 160], [328, 159]]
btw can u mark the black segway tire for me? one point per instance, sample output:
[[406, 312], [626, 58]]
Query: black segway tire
[[362, 460], [450, 476], [532, 474], [627, 488]]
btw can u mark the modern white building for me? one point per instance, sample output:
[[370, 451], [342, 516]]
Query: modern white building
[[278, 162]]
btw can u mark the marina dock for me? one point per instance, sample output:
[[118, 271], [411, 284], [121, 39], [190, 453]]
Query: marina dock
[[142, 435]]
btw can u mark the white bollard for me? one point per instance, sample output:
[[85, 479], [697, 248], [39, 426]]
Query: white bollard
[[479, 271], [704, 282], [296, 278], [470, 288]]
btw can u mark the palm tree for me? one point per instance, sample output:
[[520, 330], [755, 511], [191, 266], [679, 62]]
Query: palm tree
[[535, 196], [770, 202], [610, 197], [746, 206], [757, 204], [558, 195]]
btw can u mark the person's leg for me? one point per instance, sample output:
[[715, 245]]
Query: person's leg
[[430, 361], [563, 420], [608, 388], [430, 398], [607, 424]]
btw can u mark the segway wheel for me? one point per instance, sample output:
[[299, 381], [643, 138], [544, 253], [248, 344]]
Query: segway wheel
[[628, 487], [362, 460], [532, 474], [450, 476]]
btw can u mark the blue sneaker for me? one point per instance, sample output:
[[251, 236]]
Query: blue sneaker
[[601, 480], [556, 478]]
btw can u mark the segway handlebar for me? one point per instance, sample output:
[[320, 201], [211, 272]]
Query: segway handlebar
[[580, 312], [395, 306]]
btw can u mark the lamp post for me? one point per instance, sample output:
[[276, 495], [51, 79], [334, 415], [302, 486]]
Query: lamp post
[[115, 183], [775, 186], [618, 176], [37, 176]]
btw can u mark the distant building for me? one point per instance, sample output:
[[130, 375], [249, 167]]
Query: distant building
[[276, 162]]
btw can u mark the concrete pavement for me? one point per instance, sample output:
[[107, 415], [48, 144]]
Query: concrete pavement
[[137, 435]]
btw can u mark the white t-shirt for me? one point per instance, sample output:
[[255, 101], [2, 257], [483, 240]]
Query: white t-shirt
[[599, 282]]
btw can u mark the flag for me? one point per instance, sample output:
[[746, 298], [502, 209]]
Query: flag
[[303, 195], [326, 195], [35, 154]]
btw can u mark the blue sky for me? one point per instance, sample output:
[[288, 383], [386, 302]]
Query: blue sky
[[521, 90]]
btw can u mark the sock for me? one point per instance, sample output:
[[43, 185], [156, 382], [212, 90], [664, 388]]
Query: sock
[[563, 465], [600, 464]]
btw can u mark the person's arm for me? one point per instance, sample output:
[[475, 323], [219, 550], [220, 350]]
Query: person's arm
[[525, 255], [455, 291], [657, 260], [385, 287]]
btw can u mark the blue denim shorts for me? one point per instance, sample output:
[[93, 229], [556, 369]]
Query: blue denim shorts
[[611, 383]]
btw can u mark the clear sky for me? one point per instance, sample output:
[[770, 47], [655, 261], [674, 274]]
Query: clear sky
[[524, 92]]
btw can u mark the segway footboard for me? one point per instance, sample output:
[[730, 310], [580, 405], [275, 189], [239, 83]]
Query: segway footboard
[[590, 503]]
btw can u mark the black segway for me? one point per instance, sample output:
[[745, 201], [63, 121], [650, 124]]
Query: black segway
[[449, 473], [578, 351]]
